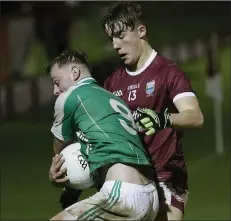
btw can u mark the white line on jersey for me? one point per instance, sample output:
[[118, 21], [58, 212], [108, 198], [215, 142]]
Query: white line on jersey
[[136, 153], [91, 117]]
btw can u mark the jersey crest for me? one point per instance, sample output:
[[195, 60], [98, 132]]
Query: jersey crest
[[150, 88]]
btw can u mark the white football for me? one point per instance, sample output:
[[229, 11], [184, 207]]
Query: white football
[[78, 171]]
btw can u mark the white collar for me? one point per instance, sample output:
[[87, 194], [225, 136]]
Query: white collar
[[147, 63], [83, 80]]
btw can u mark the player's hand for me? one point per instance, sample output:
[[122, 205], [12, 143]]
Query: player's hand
[[57, 176], [151, 121]]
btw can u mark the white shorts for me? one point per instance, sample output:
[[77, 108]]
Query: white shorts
[[118, 200]]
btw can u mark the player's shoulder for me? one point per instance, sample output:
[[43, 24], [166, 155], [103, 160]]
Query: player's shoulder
[[168, 66], [66, 98], [165, 63], [117, 74]]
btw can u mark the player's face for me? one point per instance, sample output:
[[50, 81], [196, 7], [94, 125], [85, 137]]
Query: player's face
[[63, 78], [127, 43]]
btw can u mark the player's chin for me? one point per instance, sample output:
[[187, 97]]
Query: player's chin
[[128, 62]]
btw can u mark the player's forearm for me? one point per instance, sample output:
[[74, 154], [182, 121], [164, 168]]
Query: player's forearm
[[59, 145], [187, 119]]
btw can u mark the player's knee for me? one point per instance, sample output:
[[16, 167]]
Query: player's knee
[[57, 217], [54, 218]]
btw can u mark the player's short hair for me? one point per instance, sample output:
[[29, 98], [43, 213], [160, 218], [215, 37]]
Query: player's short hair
[[125, 15], [68, 57]]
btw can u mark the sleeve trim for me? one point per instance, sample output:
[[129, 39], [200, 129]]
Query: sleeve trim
[[57, 135], [181, 95]]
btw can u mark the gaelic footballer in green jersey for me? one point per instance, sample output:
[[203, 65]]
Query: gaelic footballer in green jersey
[[115, 154], [102, 121]]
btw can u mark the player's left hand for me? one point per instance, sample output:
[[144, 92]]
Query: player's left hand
[[151, 121]]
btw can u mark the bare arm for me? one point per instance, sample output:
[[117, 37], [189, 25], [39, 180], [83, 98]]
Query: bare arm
[[56, 175], [59, 145], [189, 116], [61, 139]]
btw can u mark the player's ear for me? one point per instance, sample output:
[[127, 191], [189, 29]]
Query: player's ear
[[142, 31], [75, 73]]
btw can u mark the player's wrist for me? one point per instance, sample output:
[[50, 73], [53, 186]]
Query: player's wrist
[[165, 119], [56, 184]]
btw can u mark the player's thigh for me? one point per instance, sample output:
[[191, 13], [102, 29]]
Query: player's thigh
[[104, 205], [64, 215], [167, 212], [172, 204], [174, 213], [88, 208], [137, 202], [125, 201], [75, 211]]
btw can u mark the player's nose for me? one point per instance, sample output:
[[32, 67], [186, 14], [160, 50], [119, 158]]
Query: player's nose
[[56, 90], [115, 43]]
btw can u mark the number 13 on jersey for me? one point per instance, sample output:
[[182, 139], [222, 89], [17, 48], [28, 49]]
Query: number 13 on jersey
[[132, 95]]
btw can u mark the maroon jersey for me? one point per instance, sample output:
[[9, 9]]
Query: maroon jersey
[[156, 86]]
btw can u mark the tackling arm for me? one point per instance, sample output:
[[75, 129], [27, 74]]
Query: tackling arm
[[185, 101]]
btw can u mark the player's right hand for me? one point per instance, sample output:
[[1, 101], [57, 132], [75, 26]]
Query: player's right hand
[[57, 177]]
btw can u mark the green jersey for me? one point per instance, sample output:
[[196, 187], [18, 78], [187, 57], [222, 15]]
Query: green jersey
[[100, 120]]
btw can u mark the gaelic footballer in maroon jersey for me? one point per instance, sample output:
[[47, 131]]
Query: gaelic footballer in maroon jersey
[[160, 93], [157, 86]]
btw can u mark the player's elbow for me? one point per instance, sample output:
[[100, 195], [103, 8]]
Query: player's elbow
[[199, 122], [196, 118]]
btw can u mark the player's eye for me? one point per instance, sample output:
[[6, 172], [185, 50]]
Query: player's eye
[[56, 83], [121, 36]]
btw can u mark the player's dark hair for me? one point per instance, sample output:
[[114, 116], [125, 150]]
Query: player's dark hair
[[124, 15], [68, 57]]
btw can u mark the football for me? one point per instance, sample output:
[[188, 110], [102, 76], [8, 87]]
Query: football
[[78, 171]]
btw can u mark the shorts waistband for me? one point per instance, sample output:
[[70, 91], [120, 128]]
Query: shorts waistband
[[131, 186]]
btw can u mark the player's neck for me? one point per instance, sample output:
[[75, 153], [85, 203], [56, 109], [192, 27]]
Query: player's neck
[[146, 53], [82, 77]]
